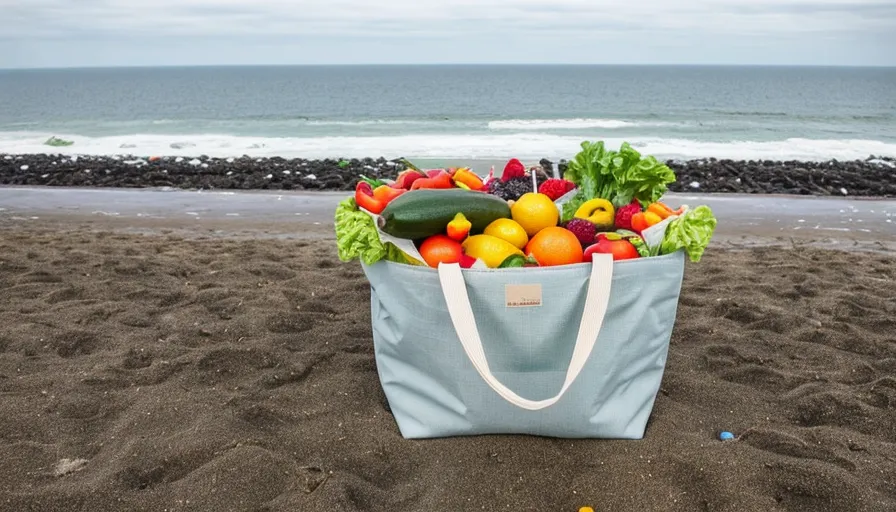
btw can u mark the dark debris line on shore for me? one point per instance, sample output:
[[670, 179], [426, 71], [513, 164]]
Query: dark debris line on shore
[[873, 177]]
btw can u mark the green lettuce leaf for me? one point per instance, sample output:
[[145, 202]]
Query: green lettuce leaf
[[618, 176], [691, 232], [357, 237], [641, 178]]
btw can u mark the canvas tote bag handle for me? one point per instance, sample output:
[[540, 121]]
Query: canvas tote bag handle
[[596, 300]]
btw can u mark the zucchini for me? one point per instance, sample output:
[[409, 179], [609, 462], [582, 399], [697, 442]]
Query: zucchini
[[425, 212]]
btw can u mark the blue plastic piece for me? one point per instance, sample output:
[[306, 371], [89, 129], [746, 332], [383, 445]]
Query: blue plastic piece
[[726, 436]]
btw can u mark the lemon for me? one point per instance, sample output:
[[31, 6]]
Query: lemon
[[490, 249], [534, 212], [509, 230]]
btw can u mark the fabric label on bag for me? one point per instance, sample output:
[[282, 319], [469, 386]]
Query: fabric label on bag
[[522, 295]]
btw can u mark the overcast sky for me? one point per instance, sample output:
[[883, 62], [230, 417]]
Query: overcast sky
[[65, 33]]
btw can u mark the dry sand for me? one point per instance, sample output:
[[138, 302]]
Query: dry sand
[[150, 372]]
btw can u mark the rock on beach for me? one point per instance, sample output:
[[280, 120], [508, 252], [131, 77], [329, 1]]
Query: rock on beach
[[872, 177]]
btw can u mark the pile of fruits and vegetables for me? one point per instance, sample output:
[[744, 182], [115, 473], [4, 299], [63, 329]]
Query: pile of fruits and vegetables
[[608, 201]]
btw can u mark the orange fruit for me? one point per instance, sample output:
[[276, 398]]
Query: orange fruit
[[535, 212], [440, 249], [508, 230], [555, 246]]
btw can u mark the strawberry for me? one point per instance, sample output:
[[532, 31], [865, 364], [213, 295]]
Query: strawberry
[[624, 214], [555, 188], [513, 169]]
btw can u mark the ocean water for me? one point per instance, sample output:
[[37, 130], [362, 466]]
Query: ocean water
[[447, 113]]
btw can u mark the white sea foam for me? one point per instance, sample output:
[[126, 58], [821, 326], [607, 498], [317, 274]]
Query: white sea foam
[[568, 124], [370, 122], [443, 146]]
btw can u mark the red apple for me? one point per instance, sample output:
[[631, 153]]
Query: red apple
[[620, 249]]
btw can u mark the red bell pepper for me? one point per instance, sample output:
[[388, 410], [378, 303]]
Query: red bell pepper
[[441, 180], [406, 178], [375, 200]]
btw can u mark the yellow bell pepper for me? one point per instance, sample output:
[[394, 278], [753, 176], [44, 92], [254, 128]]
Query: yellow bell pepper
[[599, 212]]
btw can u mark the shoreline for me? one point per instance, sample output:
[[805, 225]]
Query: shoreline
[[872, 177]]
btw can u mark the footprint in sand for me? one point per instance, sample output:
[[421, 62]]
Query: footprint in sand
[[291, 323], [801, 487], [75, 343], [791, 446], [731, 365]]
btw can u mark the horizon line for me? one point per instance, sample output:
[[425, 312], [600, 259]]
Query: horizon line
[[444, 64]]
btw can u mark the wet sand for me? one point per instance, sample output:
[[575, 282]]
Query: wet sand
[[204, 364], [744, 219]]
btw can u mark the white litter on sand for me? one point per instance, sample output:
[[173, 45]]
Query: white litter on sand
[[66, 466]]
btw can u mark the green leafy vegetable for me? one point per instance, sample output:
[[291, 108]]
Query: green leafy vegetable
[[691, 232], [357, 237], [618, 176]]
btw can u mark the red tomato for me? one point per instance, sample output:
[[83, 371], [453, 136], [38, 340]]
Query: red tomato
[[440, 249]]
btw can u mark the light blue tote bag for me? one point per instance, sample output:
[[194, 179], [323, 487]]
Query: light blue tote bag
[[574, 351]]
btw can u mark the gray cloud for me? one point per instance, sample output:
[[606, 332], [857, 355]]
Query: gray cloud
[[34, 25], [59, 18]]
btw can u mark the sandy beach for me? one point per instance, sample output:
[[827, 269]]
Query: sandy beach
[[226, 363]]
